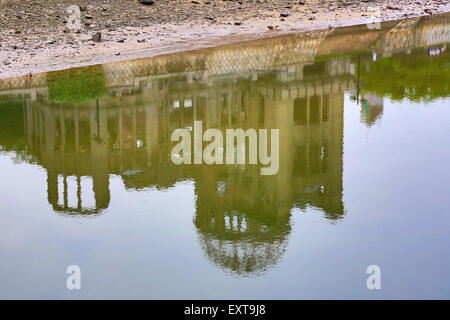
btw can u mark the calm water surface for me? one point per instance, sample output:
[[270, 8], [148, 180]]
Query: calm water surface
[[363, 180]]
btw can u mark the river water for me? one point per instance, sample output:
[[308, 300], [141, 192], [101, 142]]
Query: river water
[[363, 120]]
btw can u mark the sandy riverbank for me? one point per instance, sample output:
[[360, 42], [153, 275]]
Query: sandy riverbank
[[35, 37]]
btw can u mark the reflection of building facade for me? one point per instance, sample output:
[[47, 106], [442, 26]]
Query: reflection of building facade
[[242, 218]]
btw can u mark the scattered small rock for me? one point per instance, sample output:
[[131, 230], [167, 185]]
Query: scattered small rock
[[312, 18], [97, 37], [237, 23], [270, 27], [147, 2], [121, 40], [284, 14], [428, 10], [195, 2], [88, 16], [302, 3]]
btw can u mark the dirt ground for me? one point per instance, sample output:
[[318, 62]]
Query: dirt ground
[[36, 35]]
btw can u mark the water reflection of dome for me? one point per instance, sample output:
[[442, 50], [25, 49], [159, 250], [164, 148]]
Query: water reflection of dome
[[371, 109], [240, 244]]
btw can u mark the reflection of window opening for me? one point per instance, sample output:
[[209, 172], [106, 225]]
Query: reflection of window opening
[[176, 104], [227, 222], [314, 159], [300, 111], [314, 69], [243, 224], [221, 186], [223, 101], [235, 223], [300, 162], [162, 129], [84, 130], [314, 109], [188, 103], [201, 108], [69, 132], [326, 108], [262, 111]]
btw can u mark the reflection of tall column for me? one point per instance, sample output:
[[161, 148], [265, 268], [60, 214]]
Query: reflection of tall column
[[63, 131], [99, 154], [29, 123], [133, 133], [229, 97], [279, 115], [49, 156], [120, 135], [333, 194], [151, 129], [77, 133], [212, 111], [52, 186]]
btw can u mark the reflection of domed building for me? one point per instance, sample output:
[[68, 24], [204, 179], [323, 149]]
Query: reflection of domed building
[[242, 218], [121, 120], [242, 227], [242, 242], [371, 109], [243, 256]]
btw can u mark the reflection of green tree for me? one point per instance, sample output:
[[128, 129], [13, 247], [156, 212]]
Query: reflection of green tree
[[76, 85], [12, 134], [413, 77]]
